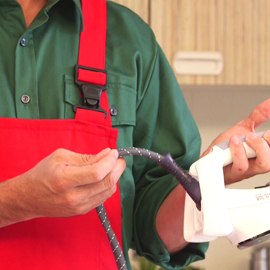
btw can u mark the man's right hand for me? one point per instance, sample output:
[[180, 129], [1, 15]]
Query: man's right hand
[[63, 184]]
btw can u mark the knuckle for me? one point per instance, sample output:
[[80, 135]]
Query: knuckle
[[263, 157], [111, 191], [81, 211], [78, 211], [123, 164], [73, 204], [264, 165], [267, 164], [243, 166], [240, 167], [96, 175], [86, 159], [59, 182], [58, 154], [122, 161], [110, 181], [106, 194]]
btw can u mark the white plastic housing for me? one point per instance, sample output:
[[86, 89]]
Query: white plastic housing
[[237, 214]]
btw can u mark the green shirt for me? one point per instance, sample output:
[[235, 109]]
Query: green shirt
[[39, 61]]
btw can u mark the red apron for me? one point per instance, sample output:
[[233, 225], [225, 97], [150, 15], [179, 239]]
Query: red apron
[[63, 243]]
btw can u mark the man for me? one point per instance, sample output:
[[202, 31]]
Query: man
[[39, 50]]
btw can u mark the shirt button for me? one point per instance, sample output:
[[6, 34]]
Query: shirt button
[[25, 99], [23, 42], [113, 112]]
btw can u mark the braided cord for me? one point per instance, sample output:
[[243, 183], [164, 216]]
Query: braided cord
[[189, 183], [115, 246]]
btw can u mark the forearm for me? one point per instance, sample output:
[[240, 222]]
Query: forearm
[[170, 220], [13, 206]]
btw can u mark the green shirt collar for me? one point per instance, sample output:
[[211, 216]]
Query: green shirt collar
[[51, 3], [77, 3]]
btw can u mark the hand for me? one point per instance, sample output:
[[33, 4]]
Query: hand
[[61, 185], [242, 168]]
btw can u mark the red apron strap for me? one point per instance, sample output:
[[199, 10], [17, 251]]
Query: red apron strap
[[91, 61], [93, 42]]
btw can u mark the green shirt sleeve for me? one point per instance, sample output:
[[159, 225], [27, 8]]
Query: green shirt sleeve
[[164, 125], [152, 114]]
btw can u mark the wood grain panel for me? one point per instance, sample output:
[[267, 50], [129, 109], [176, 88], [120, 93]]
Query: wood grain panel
[[263, 41], [162, 22], [205, 32], [220, 23], [185, 32], [267, 56], [141, 7], [255, 39], [247, 46], [239, 30]]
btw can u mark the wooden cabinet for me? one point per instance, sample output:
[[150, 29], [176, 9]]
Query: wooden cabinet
[[141, 7], [238, 29]]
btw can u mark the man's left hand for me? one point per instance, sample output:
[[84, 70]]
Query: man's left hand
[[242, 167]]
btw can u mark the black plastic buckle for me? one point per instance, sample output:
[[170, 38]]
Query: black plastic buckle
[[90, 93]]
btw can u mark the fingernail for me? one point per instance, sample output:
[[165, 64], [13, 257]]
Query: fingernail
[[252, 136], [235, 140], [116, 153], [267, 134], [104, 151]]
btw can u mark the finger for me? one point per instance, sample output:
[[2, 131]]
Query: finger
[[240, 162], [92, 195], [109, 186], [84, 159], [70, 158], [101, 197], [94, 201], [261, 147], [100, 155], [93, 189], [261, 113], [266, 136], [95, 172]]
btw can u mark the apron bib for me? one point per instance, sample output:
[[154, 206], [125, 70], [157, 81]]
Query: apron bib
[[62, 243]]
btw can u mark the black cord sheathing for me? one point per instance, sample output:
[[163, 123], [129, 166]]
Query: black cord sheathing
[[189, 183], [115, 245]]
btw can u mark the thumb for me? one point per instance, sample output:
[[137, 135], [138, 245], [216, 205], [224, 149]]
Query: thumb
[[70, 158], [84, 159], [260, 114]]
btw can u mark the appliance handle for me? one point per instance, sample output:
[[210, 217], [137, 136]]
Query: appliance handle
[[227, 153]]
